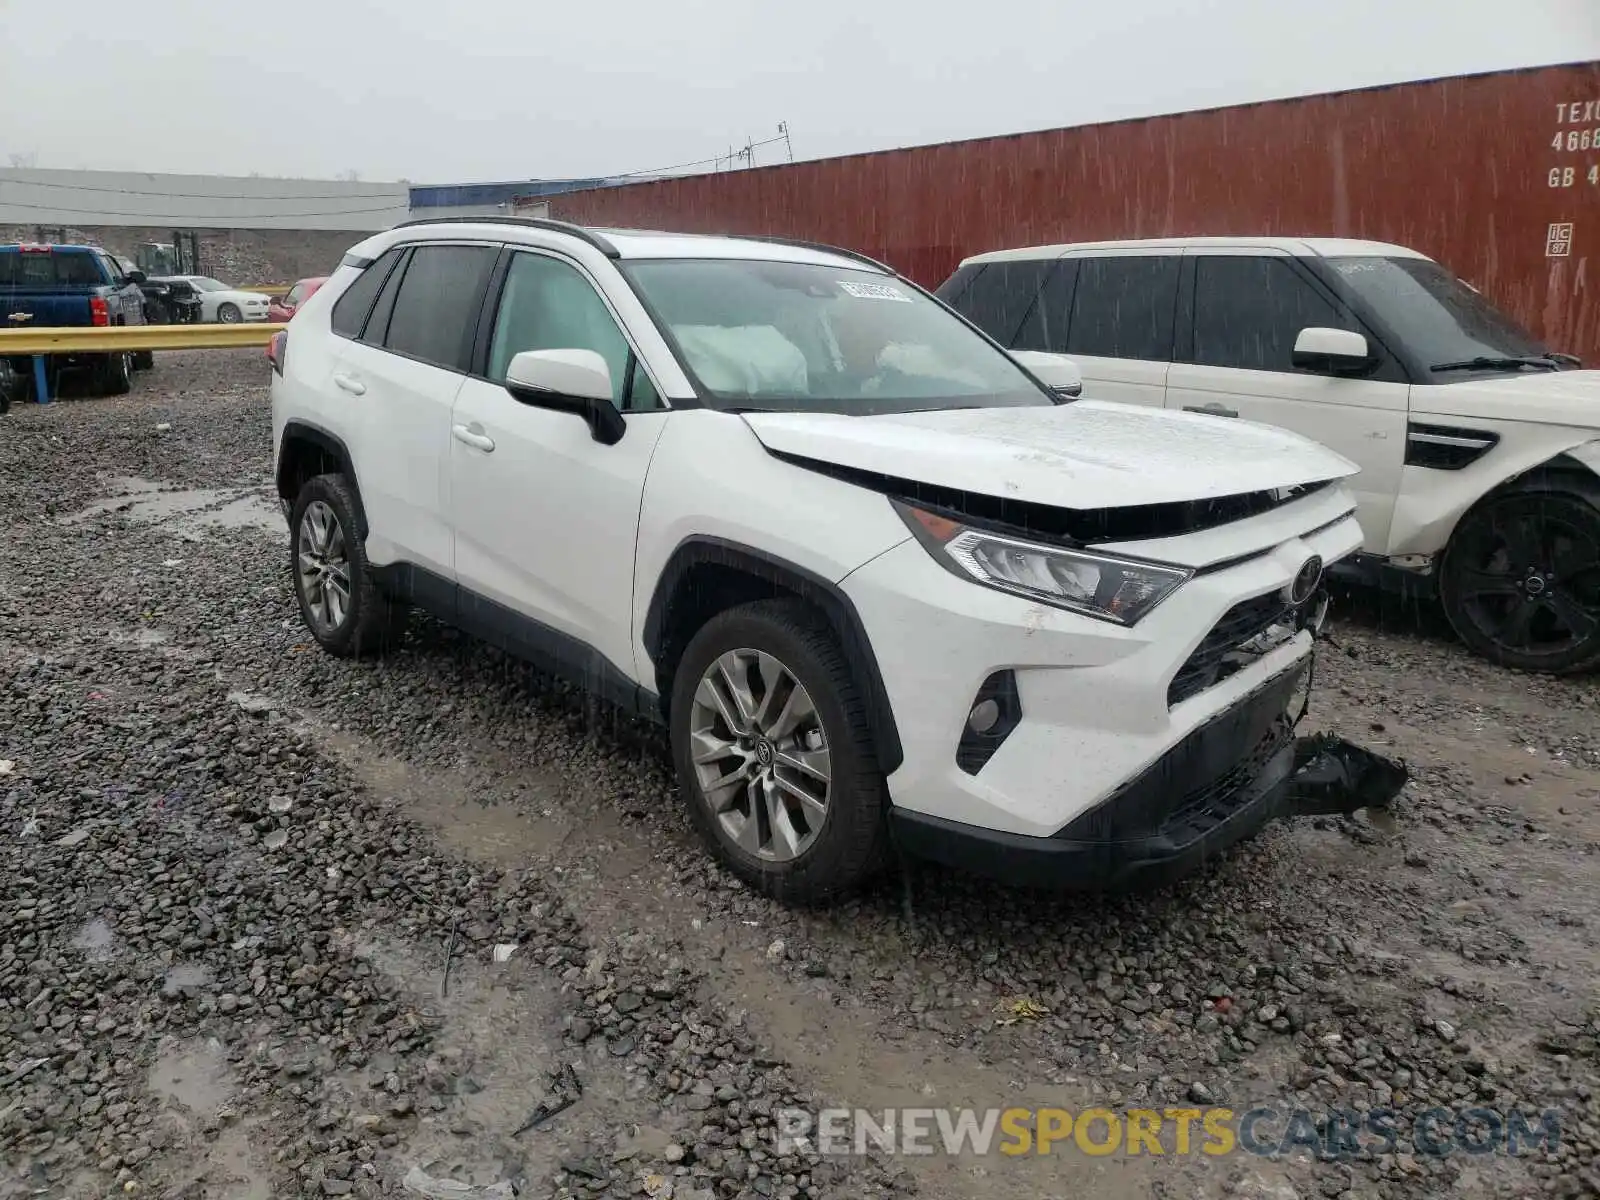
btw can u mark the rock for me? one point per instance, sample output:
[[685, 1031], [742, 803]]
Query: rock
[[1201, 1094], [419, 1182]]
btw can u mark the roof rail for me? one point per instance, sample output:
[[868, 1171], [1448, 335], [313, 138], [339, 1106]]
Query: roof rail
[[821, 247], [578, 231]]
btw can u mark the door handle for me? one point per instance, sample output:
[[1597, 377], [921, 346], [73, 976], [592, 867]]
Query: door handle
[[473, 438], [350, 384], [1211, 410]]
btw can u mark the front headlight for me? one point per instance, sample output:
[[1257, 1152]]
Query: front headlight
[[1103, 586]]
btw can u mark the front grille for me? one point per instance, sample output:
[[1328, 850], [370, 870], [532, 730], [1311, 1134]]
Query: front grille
[[1210, 663]]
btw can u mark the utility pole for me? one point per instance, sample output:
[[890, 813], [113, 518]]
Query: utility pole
[[783, 128]]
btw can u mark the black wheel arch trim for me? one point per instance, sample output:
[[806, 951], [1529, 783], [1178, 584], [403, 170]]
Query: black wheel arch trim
[[328, 443], [827, 597]]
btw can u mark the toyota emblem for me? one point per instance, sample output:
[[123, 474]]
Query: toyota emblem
[[1305, 582]]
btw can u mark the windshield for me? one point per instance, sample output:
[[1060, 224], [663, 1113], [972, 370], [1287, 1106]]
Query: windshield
[[809, 338], [203, 284], [1439, 319]]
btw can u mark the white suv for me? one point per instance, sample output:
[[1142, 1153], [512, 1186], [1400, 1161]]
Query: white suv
[[884, 587], [1479, 448]]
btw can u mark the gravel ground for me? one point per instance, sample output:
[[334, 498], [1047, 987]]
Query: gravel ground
[[259, 901]]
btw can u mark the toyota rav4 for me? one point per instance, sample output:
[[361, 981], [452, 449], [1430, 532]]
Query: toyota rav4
[[888, 588]]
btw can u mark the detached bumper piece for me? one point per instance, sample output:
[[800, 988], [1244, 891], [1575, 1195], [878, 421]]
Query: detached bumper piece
[[1218, 786], [1334, 777]]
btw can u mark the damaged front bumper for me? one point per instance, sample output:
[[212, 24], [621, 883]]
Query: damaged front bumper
[[1219, 785]]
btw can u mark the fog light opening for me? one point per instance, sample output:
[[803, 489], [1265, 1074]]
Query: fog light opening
[[996, 711], [985, 715]]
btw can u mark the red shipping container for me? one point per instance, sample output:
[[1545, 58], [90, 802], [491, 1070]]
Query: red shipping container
[[1497, 176]]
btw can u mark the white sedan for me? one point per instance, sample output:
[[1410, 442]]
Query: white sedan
[[219, 302]]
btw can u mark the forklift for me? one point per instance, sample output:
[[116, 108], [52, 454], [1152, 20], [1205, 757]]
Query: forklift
[[180, 256]]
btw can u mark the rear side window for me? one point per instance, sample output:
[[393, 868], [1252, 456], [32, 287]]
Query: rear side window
[[350, 310], [1248, 310], [56, 268], [997, 299], [436, 308], [1045, 326], [1123, 307], [953, 289]]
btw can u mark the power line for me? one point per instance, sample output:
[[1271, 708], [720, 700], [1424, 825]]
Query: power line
[[83, 187], [201, 217], [744, 152]]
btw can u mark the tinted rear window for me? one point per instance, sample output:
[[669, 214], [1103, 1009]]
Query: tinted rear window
[[1001, 295], [72, 268], [1123, 307], [436, 308], [350, 310]]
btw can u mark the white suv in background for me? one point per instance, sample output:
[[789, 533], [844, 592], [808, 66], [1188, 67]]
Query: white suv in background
[[1479, 448], [876, 578]]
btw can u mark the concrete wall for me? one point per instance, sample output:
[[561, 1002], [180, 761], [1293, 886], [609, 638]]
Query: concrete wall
[[232, 255], [31, 196]]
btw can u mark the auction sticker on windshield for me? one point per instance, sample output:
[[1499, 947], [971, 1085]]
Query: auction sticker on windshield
[[874, 291]]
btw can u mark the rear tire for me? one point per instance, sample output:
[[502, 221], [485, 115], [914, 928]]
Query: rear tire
[[340, 603], [115, 375], [764, 700], [1520, 580]]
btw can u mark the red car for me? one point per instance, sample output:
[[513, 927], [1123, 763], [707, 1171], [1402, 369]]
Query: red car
[[281, 308]]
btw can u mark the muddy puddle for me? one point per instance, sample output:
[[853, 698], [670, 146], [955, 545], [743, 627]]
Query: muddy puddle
[[189, 513], [496, 1057]]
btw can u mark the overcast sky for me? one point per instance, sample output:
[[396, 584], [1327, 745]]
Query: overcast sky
[[513, 89]]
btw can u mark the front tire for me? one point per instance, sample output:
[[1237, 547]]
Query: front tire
[[339, 601], [1520, 581], [229, 314], [774, 755]]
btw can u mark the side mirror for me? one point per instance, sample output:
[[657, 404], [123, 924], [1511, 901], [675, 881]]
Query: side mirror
[[1057, 372], [1332, 352], [571, 381], [136, 276]]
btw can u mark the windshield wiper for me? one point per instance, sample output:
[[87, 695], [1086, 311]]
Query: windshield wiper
[[1506, 363]]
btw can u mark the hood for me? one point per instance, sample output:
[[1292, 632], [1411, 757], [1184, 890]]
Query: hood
[[1542, 397], [1085, 455]]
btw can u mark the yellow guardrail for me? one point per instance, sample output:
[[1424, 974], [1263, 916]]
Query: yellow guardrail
[[109, 339]]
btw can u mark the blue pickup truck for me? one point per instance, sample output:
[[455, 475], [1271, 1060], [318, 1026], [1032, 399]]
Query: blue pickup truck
[[55, 286]]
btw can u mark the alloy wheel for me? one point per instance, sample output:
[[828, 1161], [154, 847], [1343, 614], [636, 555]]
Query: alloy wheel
[[1532, 583], [760, 755], [323, 566]]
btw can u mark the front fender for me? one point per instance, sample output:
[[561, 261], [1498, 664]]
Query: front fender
[[1432, 502], [1588, 454]]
